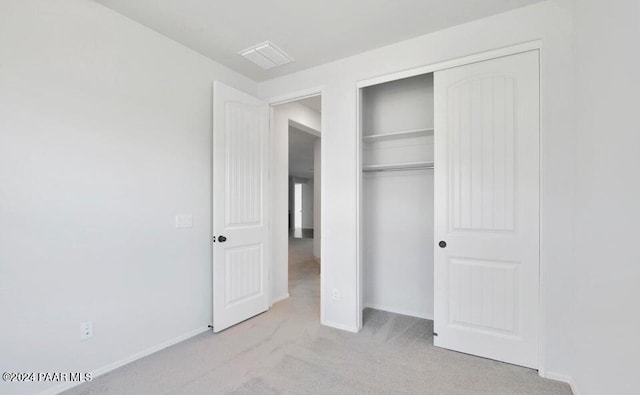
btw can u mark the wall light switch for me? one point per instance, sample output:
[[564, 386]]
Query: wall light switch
[[184, 221]]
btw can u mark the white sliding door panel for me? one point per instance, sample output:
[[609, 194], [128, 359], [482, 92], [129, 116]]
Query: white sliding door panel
[[487, 208], [240, 172]]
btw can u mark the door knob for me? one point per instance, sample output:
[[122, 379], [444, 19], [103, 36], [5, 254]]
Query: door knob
[[222, 239], [442, 244]]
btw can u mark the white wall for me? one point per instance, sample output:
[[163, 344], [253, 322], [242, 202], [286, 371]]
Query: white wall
[[550, 22], [317, 196], [398, 242], [401, 105], [281, 114], [605, 285], [105, 135]]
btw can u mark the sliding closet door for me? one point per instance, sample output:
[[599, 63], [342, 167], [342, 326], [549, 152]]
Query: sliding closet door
[[487, 209]]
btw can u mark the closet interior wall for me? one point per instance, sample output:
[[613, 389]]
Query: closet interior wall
[[397, 199]]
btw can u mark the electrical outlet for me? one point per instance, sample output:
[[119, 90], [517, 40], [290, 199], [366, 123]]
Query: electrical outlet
[[86, 330], [336, 294]]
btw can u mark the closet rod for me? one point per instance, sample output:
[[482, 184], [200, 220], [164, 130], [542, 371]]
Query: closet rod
[[397, 169]]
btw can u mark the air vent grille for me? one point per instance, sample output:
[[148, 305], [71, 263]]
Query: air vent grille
[[266, 55]]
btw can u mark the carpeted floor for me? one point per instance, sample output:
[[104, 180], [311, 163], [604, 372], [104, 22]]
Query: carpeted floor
[[286, 351]]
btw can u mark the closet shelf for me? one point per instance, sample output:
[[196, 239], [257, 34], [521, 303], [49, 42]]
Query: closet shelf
[[398, 166], [397, 135]]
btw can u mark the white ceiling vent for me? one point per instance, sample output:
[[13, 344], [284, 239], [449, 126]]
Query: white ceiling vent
[[266, 55]]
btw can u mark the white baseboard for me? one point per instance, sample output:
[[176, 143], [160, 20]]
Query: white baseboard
[[399, 311], [564, 378], [347, 328], [112, 366], [280, 299]]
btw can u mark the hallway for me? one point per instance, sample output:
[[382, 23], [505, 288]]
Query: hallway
[[304, 278], [286, 351]]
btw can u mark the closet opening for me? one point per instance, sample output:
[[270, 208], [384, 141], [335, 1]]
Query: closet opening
[[456, 245], [397, 198]]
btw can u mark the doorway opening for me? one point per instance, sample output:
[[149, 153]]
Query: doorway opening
[[296, 128]]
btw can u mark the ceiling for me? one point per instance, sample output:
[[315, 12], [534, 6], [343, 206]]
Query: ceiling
[[300, 153], [313, 32]]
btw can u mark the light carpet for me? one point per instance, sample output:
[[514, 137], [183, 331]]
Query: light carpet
[[286, 351]]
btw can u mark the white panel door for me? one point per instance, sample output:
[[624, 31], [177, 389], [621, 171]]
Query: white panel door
[[487, 209], [240, 176]]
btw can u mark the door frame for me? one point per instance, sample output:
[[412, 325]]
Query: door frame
[[292, 97], [426, 69]]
